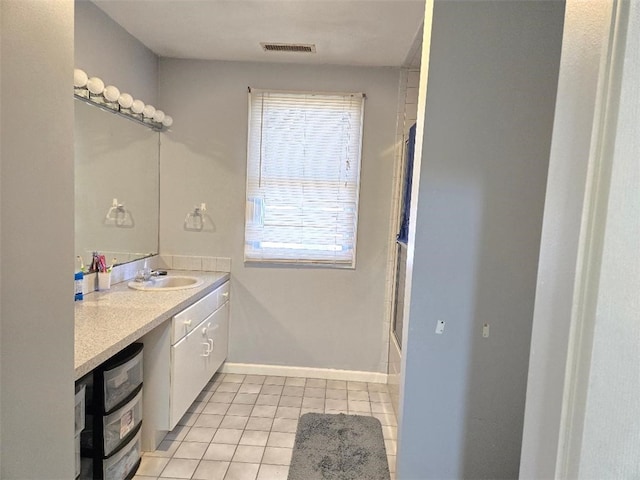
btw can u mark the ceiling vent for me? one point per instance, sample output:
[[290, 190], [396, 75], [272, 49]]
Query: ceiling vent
[[288, 47]]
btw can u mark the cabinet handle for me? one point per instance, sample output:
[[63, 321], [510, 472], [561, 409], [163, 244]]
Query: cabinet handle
[[210, 345], [208, 351], [187, 322], [225, 295]]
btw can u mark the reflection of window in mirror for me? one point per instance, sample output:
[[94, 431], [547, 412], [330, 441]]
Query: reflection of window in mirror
[[115, 159]]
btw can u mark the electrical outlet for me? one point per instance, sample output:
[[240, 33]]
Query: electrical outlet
[[440, 327]]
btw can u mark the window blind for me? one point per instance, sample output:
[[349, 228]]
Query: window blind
[[303, 173]]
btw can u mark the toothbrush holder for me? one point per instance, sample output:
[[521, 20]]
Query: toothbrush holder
[[104, 281]]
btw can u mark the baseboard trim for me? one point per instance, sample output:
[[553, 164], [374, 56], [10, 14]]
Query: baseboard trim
[[326, 373]]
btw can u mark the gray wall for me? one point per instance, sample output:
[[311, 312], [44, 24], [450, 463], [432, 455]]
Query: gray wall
[[323, 317], [37, 239], [585, 34], [482, 156], [106, 50]]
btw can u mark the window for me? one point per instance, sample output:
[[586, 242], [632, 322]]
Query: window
[[303, 173]]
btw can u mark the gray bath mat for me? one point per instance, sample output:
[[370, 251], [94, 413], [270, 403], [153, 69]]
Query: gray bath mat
[[338, 447]]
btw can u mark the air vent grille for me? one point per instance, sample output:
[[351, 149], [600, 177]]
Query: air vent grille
[[288, 47]]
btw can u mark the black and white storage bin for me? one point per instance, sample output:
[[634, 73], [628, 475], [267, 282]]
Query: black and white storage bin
[[110, 443]]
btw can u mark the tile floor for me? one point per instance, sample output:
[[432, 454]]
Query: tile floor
[[242, 427]]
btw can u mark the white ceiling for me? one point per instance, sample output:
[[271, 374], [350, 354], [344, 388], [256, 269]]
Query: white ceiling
[[345, 32]]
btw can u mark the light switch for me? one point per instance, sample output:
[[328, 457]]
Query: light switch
[[440, 327]]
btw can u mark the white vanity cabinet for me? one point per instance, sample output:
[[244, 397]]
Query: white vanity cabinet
[[194, 360], [181, 356]]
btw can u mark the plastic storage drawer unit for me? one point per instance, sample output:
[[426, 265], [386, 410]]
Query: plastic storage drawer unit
[[121, 422], [121, 465], [122, 375]]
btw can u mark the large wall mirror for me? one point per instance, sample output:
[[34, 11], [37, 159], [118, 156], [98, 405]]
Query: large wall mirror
[[116, 186]]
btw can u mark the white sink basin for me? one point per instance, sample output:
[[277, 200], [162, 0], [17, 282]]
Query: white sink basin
[[163, 284]]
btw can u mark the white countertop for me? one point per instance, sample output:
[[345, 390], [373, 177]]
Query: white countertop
[[106, 322]]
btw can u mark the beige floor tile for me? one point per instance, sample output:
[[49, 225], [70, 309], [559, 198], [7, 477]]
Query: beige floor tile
[[273, 472], [254, 437], [293, 391], [227, 435], [188, 419], [314, 392], [233, 378], [180, 468], [331, 404], [248, 454], [245, 398], [336, 394], [268, 399], [357, 386], [234, 422], [166, 449], [311, 402], [378, 387], [280, 439], [241, 410], [358, 395], [316, 383], [215, 408], [271, 389], [290, 402], [268, 411], [152, 466], [194, 450], [287, 412], [358, 406], [257, 379], [206, 420], [242, 471], [295, 382], [222, 397], [259, 423], [211, 470], [250, 388], [219, 451], [229, 387], [200, 434], [285, 425], [337, 384], [274, 380], [277, 456]]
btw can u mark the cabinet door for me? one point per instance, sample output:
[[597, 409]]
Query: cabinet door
[[195, 359]]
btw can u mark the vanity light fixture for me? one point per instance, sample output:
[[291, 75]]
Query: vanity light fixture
[[92, 90]]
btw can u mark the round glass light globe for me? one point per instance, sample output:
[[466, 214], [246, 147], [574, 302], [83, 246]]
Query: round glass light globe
[[79, 78], [167, 121], [148, 111], [95, 85], [111, 93], [125, 100], [137, 106], [158, 116]]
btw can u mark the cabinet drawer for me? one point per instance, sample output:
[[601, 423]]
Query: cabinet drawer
[[80, 408], [223, 294], [195, 359], [122, 376], [187, 320], [121, 423], [124, 462]]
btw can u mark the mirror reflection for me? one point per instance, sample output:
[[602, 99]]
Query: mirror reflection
[[116, 186]]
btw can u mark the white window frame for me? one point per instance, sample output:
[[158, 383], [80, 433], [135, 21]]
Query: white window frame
[[292, 252]]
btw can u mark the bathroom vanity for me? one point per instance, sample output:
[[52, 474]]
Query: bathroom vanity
[[185, 337]]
